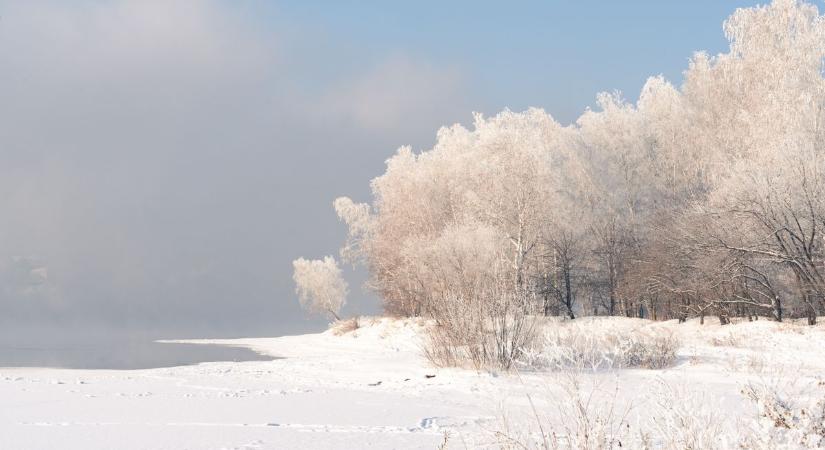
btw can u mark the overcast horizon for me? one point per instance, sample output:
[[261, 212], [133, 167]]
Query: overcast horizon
[[163, 162]]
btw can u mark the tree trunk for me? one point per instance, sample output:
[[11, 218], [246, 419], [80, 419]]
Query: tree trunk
[[568, 294], [723, 319], [612, 305], [332, 313]]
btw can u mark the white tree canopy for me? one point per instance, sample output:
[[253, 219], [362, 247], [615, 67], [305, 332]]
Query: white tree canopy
[[708, 197], [320, 287]]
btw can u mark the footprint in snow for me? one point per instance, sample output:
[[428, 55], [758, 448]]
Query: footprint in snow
[[428, 422]]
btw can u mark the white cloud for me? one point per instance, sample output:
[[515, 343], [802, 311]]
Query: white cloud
[[395, 92]]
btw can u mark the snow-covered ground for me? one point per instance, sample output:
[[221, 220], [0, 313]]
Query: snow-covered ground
[[371, 388]]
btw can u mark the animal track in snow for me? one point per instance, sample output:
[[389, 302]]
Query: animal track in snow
[[426, 425]]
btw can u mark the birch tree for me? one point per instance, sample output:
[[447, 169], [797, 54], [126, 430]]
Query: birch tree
[[320, 287], [700, 199]]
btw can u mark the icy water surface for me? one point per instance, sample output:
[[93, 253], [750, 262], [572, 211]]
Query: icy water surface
[[120, 354]]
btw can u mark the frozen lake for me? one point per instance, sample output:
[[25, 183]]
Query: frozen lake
[[121, 354]]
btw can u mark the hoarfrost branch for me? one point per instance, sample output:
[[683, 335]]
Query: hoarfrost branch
[[320, 287]]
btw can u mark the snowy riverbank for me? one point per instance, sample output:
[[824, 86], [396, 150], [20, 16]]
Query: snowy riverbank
[[372, 388]]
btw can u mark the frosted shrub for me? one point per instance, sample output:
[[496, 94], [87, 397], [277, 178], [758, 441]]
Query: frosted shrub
[[686, 419], [591, 424], [647, 351], [679, 418], [727, 340], [577, 346], [482, 333], [782, 425], [590, 418], [344, 326]]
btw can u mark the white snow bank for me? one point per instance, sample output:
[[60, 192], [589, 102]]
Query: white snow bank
[[372, 387]]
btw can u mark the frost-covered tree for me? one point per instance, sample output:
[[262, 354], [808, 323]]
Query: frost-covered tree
[[701, 199], [762, 111], [320, 287], [510, 174]]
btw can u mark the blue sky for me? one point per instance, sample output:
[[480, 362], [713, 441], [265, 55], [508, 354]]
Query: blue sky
[[554, 54], [165, 161]]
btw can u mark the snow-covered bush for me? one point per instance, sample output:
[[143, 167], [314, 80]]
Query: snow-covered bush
[[341, 327], [784, 425], [588, 417], [481, 316], [487, 332], [590, 347], [591, 424], [685, 418], [647, 350], [675, 418], [726, 340]]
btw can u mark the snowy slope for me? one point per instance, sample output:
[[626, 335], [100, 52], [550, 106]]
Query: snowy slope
[[370, 389]]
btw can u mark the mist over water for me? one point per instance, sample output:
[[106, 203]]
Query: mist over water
[[155, 174], [100, 348], [162, 163]]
